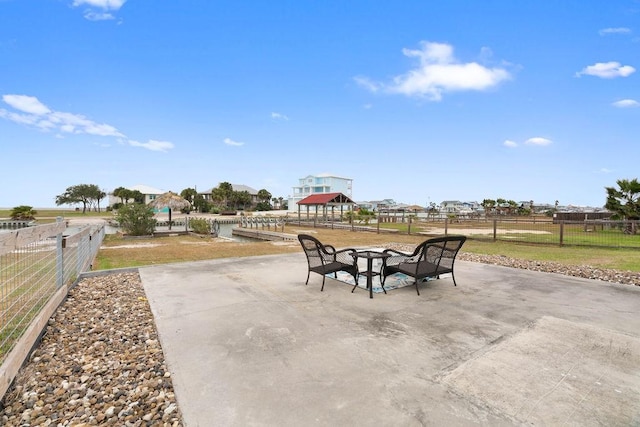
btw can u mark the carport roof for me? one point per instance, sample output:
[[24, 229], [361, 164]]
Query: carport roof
[[325, 199]]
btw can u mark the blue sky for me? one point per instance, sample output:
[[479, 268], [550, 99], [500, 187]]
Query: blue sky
[[418, 101]]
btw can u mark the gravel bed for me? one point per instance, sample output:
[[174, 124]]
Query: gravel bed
[[100, 361], [584, 271]]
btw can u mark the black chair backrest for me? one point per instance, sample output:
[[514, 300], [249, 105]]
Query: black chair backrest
[[312, 248], [441, 251]]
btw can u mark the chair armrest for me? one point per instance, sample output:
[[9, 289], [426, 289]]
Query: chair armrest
[[396, 257], [394, 252], [345, 256], [329, 249]]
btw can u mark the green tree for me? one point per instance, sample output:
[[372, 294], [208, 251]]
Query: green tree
[[87, 194], [196, 200], [264, 195], [136, 219], [488, 205], [124, 194], [95, 197], [137, 196], [349, 216], [225, 191], [23, 213], [624, 201], [432, 210], [240, 198], [364, 215]]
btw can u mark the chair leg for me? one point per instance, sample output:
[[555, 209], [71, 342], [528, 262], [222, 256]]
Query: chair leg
[[454, 279], [323, 277], [417, 287], [308, 274]]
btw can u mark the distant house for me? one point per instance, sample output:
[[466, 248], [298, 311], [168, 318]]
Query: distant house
[[207, 195], [149, 193], [319, 184], [451, 206], [377, 205], [460, 208]]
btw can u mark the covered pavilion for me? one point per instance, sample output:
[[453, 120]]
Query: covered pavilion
[[323, 202]]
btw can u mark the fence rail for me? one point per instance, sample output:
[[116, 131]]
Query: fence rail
[[596, 233], [37, 267]]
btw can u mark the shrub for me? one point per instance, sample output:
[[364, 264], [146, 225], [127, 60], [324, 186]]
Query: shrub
[[23, 213], [263, 206], [200, 225], [136, 219]]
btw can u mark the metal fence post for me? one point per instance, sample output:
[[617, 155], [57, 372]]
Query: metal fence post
[[561, 232], [59, 258], [409, 225], [495, 229], [446, 226]]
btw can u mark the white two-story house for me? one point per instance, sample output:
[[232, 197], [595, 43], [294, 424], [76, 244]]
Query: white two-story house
[[319, 184]]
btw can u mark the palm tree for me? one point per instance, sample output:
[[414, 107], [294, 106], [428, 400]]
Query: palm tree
[[225, 190], [23, 213]]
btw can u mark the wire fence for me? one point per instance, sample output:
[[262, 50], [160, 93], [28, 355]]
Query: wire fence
[[544, 231], [596, 233], [37, 263]]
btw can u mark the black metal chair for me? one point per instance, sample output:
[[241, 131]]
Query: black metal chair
[[431, 258], [325, 259]]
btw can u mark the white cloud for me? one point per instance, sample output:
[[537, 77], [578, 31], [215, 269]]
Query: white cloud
[[605, 170], [510, 144], [102, 4], [231, 142], [367, 83], [152, 145], [96, 16], [617, 30], [538, 141], [626, 103], [607, 70], [33, 113], [279, 116], [438, 72], [26, 104]]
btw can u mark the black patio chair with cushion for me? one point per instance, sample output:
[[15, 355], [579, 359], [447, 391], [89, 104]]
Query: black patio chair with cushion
[[431, 258], [325, 259]]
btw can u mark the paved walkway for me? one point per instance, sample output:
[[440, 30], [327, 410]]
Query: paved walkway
[[248, 344]]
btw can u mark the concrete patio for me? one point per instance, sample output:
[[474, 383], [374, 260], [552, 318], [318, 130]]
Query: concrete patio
[[248, 344]]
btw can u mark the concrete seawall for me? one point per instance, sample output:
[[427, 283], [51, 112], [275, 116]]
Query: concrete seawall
[[262, 234]]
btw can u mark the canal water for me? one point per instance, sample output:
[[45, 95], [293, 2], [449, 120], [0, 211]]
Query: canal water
[[225, 232]]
